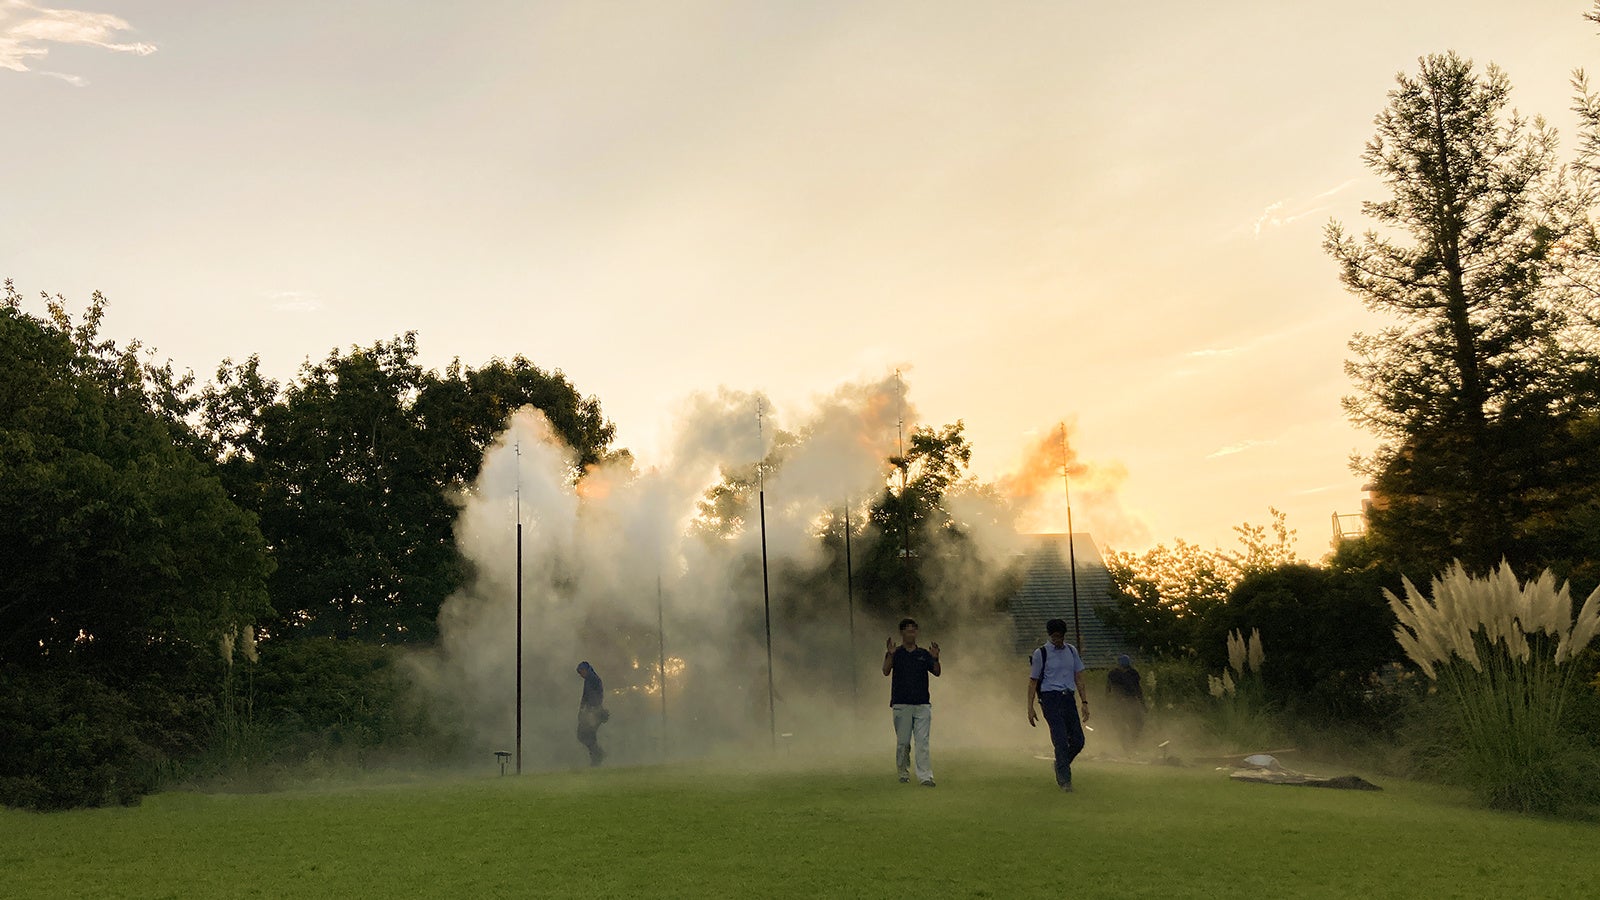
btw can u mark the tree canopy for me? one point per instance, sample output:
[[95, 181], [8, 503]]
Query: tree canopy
[[119, 537], [1479, 391], [355, 468]]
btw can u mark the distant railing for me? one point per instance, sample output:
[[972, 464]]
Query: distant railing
[[1348, 527]]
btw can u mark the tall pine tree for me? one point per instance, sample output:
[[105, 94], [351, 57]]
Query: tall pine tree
[[1476, 391]]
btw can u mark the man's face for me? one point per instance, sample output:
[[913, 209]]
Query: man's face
[[581, 670], [908, 634], [1058, 638]]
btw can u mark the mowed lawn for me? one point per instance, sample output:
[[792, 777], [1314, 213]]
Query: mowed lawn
[[994, 827]]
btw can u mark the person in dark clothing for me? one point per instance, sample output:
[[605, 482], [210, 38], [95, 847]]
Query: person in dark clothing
[[1055, 677], [592, 712], [1125, 694], [908, 697]]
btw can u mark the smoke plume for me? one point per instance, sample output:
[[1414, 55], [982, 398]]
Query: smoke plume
[[655, 577]]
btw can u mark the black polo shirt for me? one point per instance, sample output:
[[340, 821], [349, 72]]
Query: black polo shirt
[[908, 681], [594, 692]]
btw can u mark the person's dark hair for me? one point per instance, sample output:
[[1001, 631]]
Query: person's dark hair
[[1055, 626], [905, 622]]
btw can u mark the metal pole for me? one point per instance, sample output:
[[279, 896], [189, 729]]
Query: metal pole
[[661, 647], [850, 601], [905, 500], [519, 607], [1072, 556], [766, 592]]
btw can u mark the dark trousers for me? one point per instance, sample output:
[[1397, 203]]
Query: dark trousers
[[589, 721], [1066, 731]]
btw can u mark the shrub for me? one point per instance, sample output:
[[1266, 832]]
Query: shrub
[[1240, 714], [1329, 630], [72, 741], [318, 704], [1502, 655]]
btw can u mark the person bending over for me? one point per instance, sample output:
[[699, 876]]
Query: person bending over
[[592, 712]]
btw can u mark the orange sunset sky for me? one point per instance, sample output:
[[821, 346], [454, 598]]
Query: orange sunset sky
[[1103, 214]]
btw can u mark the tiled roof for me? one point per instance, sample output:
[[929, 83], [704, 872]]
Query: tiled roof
[[1046, 593]]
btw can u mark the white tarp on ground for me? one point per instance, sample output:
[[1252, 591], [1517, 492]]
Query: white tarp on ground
[[1265, 769]]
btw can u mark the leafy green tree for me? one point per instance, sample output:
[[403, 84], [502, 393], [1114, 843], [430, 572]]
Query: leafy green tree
[[352, 502], [1263, 548], [1326, 631], [1168, 598], [126, 565], [117, 536], [1164, 595], [1474, 392], [354, 467], [911, 535], [230, 410], [912, 554]]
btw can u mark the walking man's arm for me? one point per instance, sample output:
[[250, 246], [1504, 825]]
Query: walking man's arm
[[1033, 694]]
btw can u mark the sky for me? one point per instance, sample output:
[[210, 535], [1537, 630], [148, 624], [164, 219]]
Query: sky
[[1100, 214]]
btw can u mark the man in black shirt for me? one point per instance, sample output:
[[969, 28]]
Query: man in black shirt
[[1126, 693], [591, 712], [908, 697]]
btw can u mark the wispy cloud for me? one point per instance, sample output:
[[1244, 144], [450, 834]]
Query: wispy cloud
[[1240, 447], [294, 301], [1290, 210], [1292, 332], [1213, 352], [26, 31]]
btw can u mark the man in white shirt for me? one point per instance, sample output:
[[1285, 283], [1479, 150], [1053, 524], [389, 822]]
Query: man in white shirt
[[1055, 676]]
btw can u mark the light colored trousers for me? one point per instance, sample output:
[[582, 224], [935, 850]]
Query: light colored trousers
[[912, 721]]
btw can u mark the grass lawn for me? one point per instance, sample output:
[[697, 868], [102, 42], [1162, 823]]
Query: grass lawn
[[994, 827]]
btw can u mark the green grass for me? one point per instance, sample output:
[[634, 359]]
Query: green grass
[[994, 827]]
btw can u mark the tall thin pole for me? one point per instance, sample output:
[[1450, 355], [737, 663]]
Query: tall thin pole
[[905, 501], [519, 607], [766, 592], [850, 601], [1072, 556], [661, 657]]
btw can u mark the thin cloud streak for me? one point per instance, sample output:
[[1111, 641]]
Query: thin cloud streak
[[294, 301], [1274, 216], [25, 30], [1240, 447], [1257, 342]]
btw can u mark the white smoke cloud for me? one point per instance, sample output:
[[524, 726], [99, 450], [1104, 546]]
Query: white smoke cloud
[[26, 31], [607, 558]]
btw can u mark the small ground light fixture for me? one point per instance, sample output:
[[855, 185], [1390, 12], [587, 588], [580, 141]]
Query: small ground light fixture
[[502, 755]]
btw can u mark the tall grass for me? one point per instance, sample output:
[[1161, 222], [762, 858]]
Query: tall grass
[[1501, 654], [1241, 714]]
